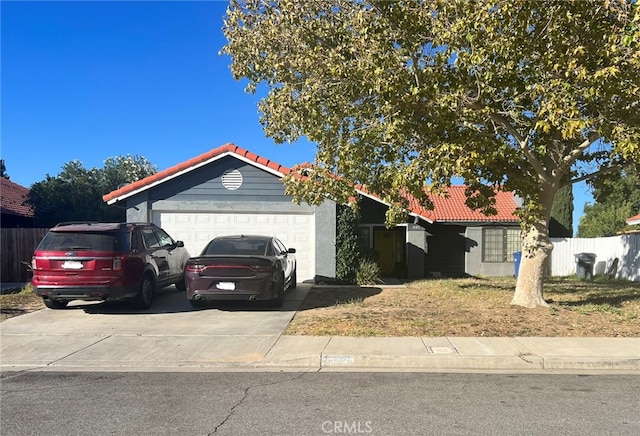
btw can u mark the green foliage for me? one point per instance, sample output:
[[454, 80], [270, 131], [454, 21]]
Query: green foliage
[[76, 193], [616, 199], [561, 222], [515, 93], [347, 244], [368, 273], [603, 219], [3, 170]]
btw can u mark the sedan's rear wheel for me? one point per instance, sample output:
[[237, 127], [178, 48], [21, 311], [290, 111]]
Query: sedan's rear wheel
[[144, 299], [55, 304], [181, 286], [279, 300]]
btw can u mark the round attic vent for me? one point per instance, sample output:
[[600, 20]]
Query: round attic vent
[[232, 179]]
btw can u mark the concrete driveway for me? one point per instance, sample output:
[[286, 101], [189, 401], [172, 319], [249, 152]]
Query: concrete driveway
[[103, 336]]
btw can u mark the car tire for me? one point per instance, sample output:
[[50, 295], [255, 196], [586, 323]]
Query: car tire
[[55, 304], [144, 298], [279, 300], [294, 280], [181, 286]]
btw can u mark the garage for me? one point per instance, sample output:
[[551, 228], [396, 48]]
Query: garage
[[198, 228], [226, 191]]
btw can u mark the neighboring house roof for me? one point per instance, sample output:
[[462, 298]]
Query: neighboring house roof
[[12, 199], [447, 209], [633, 220]]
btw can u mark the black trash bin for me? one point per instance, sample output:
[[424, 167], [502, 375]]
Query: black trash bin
[[585, 263]]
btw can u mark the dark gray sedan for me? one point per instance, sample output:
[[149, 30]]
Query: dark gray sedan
[[241, 267]]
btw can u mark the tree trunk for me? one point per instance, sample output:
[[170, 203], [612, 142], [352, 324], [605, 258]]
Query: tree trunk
[[536, 249]]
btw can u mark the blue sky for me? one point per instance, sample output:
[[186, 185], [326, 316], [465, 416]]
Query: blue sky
[[91, 80]]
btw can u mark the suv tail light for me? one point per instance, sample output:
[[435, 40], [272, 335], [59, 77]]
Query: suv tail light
[[34, 264]]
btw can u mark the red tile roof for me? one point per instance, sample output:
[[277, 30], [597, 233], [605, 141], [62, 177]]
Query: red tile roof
[[451, 209], [12, 198], [633, 220], [193, 163]]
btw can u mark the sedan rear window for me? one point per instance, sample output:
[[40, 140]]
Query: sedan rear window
[[88, 241], [248, 247]]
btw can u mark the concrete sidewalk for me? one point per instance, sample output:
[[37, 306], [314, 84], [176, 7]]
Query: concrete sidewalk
[[173, 337], [525, 354]]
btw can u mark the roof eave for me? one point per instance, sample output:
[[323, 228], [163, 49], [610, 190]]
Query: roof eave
[[191, 168]]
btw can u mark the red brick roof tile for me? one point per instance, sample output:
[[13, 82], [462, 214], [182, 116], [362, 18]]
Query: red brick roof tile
[[451, 209], [12, 199], [633, 220]]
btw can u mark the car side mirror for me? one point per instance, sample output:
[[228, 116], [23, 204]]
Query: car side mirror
[[291, 250], [179, 244]]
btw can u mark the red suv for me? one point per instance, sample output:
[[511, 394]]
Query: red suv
[[94, 261]]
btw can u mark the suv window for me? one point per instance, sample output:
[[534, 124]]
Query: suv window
[[150, 238], [90, 241], [165, 239]]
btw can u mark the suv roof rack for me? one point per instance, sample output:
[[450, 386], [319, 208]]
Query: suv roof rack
[[71, 223]]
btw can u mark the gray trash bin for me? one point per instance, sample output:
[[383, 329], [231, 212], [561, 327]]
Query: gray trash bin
[[585, 263]]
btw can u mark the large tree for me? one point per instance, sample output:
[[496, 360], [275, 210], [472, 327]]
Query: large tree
[[400, 97], [75, 194], [616, 199]]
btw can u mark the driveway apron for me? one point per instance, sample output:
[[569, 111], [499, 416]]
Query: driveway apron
[[102, 336]]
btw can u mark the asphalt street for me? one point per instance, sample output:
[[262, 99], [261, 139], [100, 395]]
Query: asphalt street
[[311, 403]]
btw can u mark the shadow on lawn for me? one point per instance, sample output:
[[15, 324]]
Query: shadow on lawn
[[334, 295], [614, 300]]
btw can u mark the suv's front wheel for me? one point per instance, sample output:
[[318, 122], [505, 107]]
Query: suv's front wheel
[[144, 298]]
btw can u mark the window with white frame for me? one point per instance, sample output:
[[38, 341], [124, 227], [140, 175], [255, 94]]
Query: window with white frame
[[499, 243]]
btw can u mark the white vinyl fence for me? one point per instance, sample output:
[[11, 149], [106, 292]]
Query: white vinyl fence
[[625, 248]]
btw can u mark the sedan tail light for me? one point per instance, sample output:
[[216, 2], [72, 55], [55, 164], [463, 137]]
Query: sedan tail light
[[262, 267], [195, 268]]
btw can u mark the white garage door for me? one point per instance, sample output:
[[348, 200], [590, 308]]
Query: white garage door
[[197, 228]]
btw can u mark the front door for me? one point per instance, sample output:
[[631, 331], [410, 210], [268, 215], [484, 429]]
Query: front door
[[384, 245]]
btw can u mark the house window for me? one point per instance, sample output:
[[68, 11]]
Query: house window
[[499, 244]]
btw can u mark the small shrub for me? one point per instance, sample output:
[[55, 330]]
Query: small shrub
[[368, 273]]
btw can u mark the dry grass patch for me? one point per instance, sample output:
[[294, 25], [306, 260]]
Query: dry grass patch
[[14, 302], [471, 307]]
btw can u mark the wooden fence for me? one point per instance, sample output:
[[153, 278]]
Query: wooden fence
[[18, 245]]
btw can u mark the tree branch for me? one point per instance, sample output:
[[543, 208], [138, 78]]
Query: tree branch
[[601, 171], [522, 142], [575, 154]]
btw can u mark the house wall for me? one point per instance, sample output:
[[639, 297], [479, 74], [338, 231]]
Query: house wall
[[201, 190], [416, 247]]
